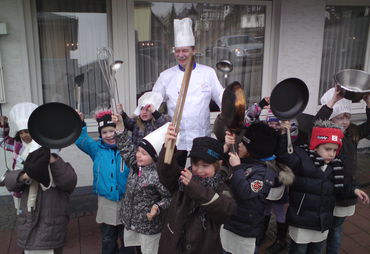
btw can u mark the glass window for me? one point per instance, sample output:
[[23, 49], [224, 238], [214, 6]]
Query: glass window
[[345, 41], [70, 32], [345, 44], [222, 31]]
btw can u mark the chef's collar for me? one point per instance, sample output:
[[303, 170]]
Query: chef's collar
[[183, 69]]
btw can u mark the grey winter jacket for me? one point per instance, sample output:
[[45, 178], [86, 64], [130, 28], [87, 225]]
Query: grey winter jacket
[[45, 227], [143, 190]]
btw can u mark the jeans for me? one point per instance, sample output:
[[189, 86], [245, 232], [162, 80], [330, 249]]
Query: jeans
[[110, 235], [307, 248], [335, 236]]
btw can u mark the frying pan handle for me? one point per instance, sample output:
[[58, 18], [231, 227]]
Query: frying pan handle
[[289, 146], [233, 148], [78, 95]]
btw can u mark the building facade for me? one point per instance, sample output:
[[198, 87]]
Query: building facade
[[46, 44]]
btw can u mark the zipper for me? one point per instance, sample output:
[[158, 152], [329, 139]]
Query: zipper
[[300, 205]]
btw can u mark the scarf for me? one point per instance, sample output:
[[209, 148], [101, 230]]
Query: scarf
[[336, 164], [209, 182]]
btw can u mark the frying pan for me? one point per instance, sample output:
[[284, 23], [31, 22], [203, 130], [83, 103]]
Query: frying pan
[[54, 125], [356, 83], [233, 107], [288, 99]]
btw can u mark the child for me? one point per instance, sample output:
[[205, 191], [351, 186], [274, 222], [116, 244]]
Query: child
[[147, 117], [146, 198], [21, 143], [254, 174], [200, 201], [317, 178], [43, 214], [338, 110], [110, 176]]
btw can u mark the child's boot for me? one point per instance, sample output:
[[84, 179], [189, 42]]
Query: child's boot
[[280, 242]]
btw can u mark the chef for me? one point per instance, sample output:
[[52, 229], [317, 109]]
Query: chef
[[204, 86]]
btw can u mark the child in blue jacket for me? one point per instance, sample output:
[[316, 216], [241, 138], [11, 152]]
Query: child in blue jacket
[[109, 178]]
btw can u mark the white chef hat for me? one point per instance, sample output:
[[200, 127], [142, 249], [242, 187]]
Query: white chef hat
[[340, 107], [18, 116], [183, 32], [148, 98]]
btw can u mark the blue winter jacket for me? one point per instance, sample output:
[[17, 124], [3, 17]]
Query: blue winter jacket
[[110, 172]]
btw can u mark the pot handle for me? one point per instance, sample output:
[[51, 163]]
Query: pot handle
[[290, 145]]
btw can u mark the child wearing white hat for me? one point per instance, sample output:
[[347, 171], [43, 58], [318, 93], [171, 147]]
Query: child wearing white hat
[[145, 198], [338, 110], [14, 137], [147, 118]]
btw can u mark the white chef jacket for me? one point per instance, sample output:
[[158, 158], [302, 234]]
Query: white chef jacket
[[203, 86]]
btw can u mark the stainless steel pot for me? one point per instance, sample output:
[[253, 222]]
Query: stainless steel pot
[[356, 83]]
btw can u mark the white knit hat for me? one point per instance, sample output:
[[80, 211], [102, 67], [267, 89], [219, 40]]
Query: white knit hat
[[149, 98], [18, 116], [340, 107], [183, 32]]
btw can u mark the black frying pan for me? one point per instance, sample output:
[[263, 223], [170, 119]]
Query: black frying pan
[[54, 125], [288, 99]]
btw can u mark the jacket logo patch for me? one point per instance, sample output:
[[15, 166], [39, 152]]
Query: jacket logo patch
[[256, 185]]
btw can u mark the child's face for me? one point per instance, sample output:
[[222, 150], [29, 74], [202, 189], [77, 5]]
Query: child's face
[[203, 169], [143, 158], [327, 151], [342, 120], [145, 114], [242, 151], [107, 134], [25, 136], [274, 125]]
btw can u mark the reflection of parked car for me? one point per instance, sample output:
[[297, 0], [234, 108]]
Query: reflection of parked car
[[236, 47]]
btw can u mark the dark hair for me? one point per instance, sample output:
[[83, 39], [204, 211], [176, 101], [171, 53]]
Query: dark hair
[[216, 164]]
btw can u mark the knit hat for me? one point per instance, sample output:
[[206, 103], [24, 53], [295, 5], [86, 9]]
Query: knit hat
[[153, 142], [271, 117], [37, 164], [260, 140], [322, 134], [183, 32], [18, 116], [104, 119], [207, 149], [341, 106], [252, 114]]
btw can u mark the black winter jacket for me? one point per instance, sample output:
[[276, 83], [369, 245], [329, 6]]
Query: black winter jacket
[[250, 185], [348, 154], [311, 196]]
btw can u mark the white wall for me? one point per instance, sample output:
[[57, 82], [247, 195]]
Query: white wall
[[300, 44]]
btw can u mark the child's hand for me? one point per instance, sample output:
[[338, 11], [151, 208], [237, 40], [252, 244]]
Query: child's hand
[[119, 108], [171, 134], [367, 100], [24, 177], [150, 108], [117, 119], [82, 117], [229, 140], [153, 212], [338, 95], [363, 196], [186, 176], [234, 159], [285, 125]]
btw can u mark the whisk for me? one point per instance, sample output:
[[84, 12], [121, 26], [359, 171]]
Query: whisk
[[109, 67]]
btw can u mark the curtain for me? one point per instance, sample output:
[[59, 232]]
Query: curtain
[[70, 32], [345, 41]]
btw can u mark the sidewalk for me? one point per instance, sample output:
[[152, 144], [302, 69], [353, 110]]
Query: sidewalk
[[84, 235]]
